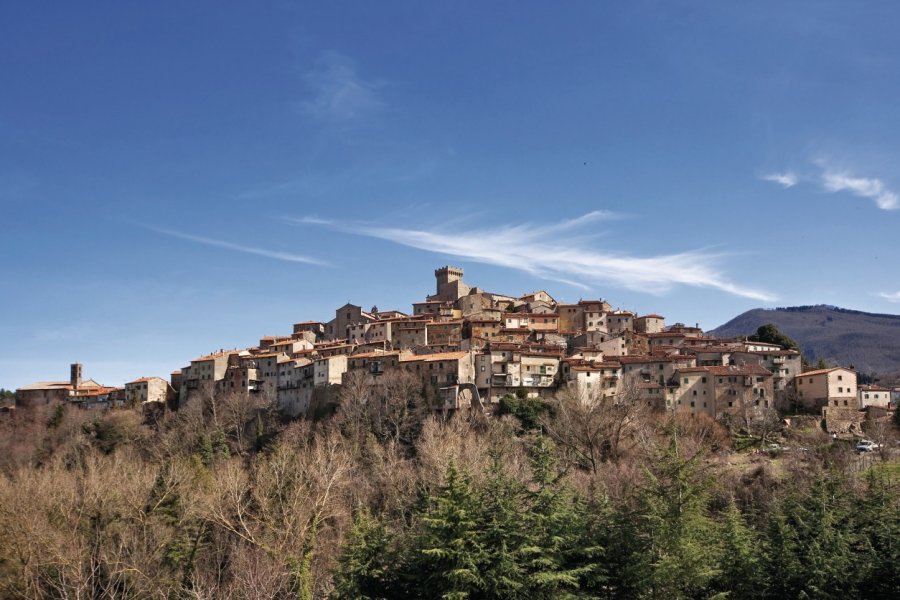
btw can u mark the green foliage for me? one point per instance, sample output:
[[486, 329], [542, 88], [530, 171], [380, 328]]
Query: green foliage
[[683, 546], [554, 521], [741, 563], [527, 410], [59, 411], [501, 535], [212, 447], [812, 544], [7, 395], [450, 551], [106, 433], [770, 334], [365, 562]]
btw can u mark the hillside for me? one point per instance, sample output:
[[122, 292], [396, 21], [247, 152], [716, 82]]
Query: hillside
[[870, 342]]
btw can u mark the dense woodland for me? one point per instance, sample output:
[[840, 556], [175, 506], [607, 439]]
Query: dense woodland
[[381, 497]]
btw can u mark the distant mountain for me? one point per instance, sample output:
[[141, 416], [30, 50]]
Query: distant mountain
[[870, 342]]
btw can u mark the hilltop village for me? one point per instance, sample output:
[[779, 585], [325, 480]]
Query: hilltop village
[[468, 348]]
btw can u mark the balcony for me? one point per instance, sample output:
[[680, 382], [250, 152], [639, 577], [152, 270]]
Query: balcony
[[503, 380]]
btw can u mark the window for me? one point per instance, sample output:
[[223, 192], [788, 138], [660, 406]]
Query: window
[[840, 377]]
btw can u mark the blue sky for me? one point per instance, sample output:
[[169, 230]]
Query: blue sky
[[179, 177]]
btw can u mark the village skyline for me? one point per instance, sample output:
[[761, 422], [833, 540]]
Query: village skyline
[[185, 178]]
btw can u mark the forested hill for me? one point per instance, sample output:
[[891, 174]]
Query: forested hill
[[870, 342]]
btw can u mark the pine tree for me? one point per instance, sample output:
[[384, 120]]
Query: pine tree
[[681, 535], [877, 560], [554, 526], [501, 535], [810, 542], [364, 571], [450, 557], [741, 576]]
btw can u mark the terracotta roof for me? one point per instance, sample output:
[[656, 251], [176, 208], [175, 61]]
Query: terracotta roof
[[770, 352], [821, 371], [143, 379], [651, 316], [95, 392], [215, 355], [739, 370], [712, 349], [437, 356], [47, 385], [652, 359], [375, 354], [589, 366]]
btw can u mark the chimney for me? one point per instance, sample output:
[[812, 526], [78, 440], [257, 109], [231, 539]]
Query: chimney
[[75, 376]]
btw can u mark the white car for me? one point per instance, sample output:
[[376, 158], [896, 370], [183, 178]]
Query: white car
[[867, 446]]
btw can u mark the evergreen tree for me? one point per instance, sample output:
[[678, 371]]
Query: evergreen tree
[[555, 524], [681, 535], [769, 333], [364, 565], [741, 576], [450, 555], [501, 535], [628, 564], [877, 560], [810, 545]]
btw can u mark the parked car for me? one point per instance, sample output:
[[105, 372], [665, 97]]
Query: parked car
[[867, 446]]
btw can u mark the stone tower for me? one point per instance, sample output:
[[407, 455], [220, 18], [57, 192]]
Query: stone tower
[[75, 375], [446, 275]]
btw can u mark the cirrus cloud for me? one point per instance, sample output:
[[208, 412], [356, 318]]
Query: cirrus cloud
[[541, 251], [836, 180], [785, 180], [275, 254], [338, 92]]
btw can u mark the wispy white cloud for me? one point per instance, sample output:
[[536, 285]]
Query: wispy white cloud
[[890, 296], [874, 189], [338, 92], [542, 251], [311, 220], [838, 180], [275, 254], [786, 180]]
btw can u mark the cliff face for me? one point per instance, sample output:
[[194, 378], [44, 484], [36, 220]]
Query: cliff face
[[868, 341]]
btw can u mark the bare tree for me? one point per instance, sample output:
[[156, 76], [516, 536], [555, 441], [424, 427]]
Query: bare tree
[[280, 505], [398, 409], [593, 428]]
